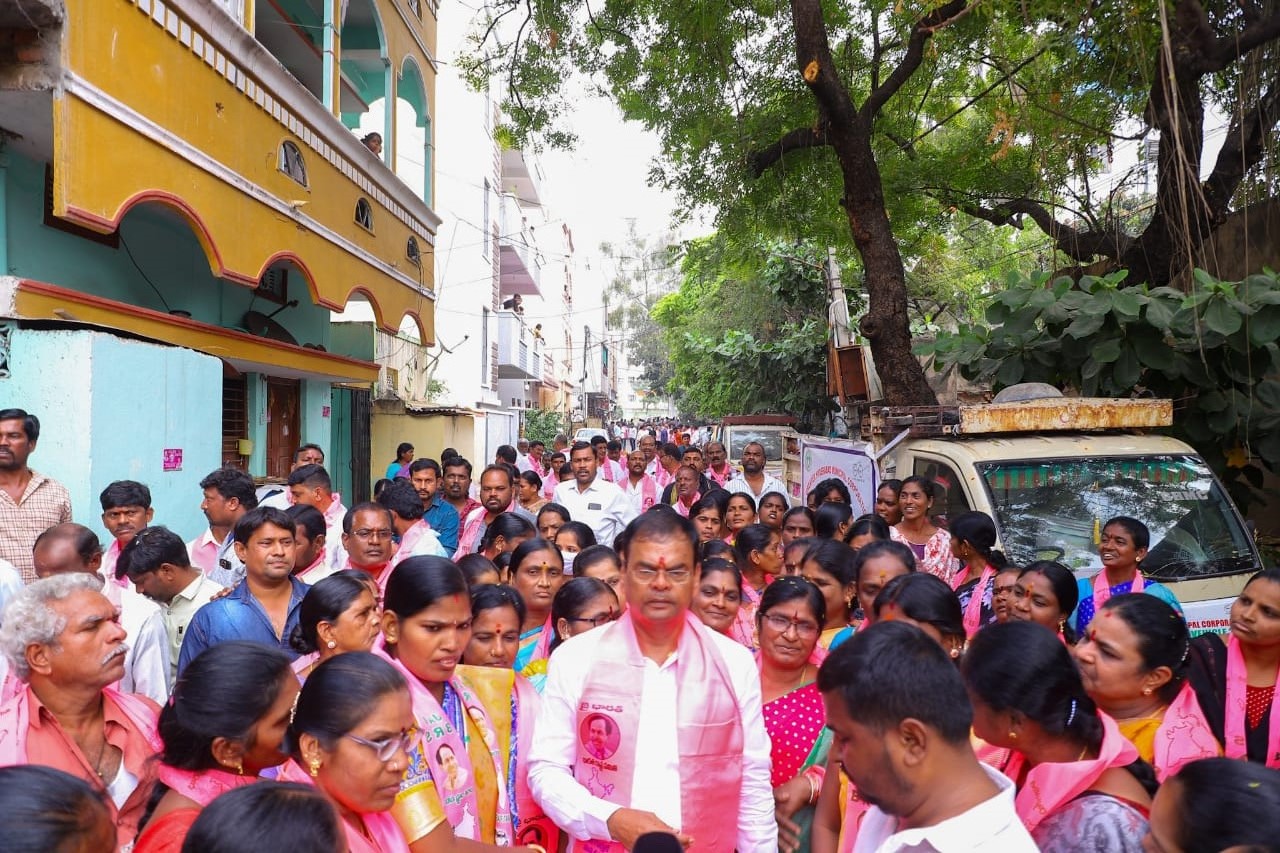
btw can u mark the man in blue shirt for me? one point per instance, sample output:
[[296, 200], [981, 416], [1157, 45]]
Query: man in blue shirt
[[439, 514], [263, 608]]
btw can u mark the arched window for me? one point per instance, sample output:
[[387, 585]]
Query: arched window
[[291, 162], [364, 214], [413, 252]]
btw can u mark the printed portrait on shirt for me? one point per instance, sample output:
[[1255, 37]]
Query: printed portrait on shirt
[[455, 775], [600, 736]]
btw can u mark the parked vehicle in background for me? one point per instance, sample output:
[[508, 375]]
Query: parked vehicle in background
[[737, 431], [588, 433], [1051, 472]]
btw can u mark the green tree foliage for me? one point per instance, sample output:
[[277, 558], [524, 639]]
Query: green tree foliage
[[882, 123], [543, 425], [746, 331], [644, 272], [1213, 352]]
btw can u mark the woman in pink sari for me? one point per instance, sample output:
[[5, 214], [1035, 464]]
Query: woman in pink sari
[[213, 745], [1133, 662], [1238, 682], [757, 552], [930, 544], [349, 735], [1077, 776], [791, 615], [467, 778]]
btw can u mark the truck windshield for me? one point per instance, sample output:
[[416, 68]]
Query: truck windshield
[[741, 436], [1054, 510]]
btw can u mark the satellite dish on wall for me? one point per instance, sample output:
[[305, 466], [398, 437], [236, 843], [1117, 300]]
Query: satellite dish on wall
[[264, 326]]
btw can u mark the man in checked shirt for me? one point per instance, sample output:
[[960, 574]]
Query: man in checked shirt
[[30, 503]]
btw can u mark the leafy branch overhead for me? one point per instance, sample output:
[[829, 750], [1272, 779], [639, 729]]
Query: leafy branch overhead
[[1213, 352], [882, 124]]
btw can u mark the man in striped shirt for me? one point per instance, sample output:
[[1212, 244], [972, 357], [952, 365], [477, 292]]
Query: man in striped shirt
[[30, 503]]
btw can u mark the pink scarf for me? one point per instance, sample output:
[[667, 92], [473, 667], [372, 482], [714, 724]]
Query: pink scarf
[[380, 826], [663, 477], [535, 826], [1237, 691], [303, 664], [721, 479], [973, 611], [648, 492], [15, 719], [460, 806], [680, 505], [1183, 736], [1102, 589], [708, 732], [470, 533], [201, 786], [744, 627], [469, 541], [1050, 786]]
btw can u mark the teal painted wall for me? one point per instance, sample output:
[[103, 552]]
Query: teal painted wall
[[113, 409], [164, 248]]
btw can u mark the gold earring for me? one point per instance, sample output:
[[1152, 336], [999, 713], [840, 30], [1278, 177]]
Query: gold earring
[[239, 768], [1146, 691], [1013, 735], [315, 768]]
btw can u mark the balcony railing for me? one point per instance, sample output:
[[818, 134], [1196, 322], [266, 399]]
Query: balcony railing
[[521, 267], [519, 352]]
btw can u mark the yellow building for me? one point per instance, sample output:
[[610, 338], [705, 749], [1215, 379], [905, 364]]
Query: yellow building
[[182, 194]]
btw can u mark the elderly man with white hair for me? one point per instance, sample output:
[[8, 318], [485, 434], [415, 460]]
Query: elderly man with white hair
[[62, 639]]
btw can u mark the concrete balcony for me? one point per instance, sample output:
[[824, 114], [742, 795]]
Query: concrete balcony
[[522, 177], [520, 354], [520, 265], [193, 114]]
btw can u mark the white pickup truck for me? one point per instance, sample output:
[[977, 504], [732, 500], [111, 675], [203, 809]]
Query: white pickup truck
[[1051, 472]]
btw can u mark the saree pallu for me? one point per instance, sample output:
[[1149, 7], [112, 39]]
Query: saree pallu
[[796, 723]]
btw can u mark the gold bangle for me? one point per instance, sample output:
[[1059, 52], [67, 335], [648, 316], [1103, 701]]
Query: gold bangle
[[537, 847]]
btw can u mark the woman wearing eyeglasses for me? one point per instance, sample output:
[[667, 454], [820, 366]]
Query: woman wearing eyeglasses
[[580, 605], [790, 619], [350, 735], [464, 772]]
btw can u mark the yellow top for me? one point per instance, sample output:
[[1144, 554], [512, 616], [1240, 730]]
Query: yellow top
[[1141, 732]]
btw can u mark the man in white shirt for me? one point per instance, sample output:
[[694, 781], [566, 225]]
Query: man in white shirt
[[73, 548], [278, 496], [658, 650], [904, 743], [157, 563], [641, 489], [753, 480], [228, 494], [600, 505]]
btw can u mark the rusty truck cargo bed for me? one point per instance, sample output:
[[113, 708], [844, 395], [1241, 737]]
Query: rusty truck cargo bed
[[1047, 415]]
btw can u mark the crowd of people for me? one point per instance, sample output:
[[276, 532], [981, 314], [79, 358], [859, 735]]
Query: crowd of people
[[658, 652]]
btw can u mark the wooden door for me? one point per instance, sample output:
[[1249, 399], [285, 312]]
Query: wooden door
[[283, 402]]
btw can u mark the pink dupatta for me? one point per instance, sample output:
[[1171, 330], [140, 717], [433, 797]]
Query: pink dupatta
[[973, 611], [1183, 736], [201, 786], [1050, 786], [708, 732], [1234, 724], [1102, 588], [461, 806], [381, 827]]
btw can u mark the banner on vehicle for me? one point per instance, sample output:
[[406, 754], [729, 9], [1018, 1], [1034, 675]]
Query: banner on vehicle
[[850, 463]]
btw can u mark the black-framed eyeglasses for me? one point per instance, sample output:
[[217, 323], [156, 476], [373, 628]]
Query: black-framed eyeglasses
[[597, 621], [386, 748]]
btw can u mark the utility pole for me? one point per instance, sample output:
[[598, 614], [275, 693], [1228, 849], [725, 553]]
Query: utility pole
[[837, 305]]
